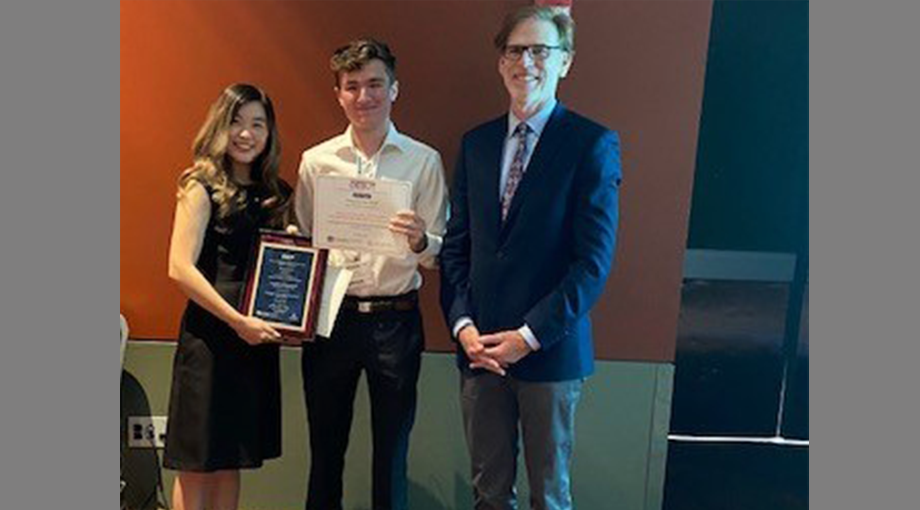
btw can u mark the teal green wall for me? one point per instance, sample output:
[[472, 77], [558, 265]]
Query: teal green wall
[[620, 453], [750, 188]]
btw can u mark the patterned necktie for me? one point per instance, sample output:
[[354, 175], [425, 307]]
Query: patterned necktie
[[516, 172]]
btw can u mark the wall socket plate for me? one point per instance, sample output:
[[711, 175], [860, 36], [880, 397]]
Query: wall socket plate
[[146, 431]]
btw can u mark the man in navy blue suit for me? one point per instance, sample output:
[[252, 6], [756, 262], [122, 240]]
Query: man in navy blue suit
[[529, 245]]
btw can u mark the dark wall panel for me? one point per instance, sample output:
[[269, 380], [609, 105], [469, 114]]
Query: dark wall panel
[[737, 338], [751, 188]]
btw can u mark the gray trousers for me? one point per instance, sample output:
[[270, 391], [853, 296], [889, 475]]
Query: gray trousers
[[493, 408]]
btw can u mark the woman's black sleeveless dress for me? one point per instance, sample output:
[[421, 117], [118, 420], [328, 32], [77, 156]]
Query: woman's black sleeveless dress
[[225, 402]]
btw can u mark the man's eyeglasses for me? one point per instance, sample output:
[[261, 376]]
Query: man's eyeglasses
[[514, 52]]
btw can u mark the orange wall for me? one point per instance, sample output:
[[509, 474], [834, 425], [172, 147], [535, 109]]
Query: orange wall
[[639, 69]]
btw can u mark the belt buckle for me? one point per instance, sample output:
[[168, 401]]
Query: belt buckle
[[365, 306]]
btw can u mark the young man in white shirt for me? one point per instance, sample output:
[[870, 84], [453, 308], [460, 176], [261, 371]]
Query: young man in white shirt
[[379, 328]]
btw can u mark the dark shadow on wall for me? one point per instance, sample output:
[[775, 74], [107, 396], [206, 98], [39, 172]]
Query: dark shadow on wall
[[140, 467], [795, 419]]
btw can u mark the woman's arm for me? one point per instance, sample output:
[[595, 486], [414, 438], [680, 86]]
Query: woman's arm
[[193, 211]]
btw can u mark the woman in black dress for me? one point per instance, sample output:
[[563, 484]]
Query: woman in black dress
[[225, 402]]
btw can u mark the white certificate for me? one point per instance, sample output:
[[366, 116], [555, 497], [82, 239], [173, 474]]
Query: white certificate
[[335, 283], [354, 214]]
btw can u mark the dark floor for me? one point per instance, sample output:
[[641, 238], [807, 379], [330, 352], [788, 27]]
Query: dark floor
[[736, 477]]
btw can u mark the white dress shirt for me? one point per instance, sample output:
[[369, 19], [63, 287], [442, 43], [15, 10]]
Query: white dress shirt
[[536, 123], [399, 158]]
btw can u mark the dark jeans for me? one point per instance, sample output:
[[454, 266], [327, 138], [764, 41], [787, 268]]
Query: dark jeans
[[387, 346]]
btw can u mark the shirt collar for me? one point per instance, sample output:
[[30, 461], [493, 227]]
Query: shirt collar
[[393, 139], [536, 122]]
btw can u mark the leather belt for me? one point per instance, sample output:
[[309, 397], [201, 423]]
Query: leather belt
[[401, 303]]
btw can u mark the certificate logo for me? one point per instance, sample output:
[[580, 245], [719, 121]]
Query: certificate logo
[[361, 185]]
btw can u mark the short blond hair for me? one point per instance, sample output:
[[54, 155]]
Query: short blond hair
[[564, 24]]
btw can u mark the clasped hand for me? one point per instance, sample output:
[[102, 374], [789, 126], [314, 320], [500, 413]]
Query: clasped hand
[[493, 352]]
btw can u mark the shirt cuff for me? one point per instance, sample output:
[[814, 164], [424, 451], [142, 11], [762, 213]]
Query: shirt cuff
[[529, 337], [430, 253], [461, 323]]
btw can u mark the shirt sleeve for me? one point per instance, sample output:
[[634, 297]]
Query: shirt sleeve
[[303, 196], [461, 323], [529, 337], [431, 206]]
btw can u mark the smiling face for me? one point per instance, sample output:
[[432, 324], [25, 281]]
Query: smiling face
[[248, 134], [531, 82], [366, 96]]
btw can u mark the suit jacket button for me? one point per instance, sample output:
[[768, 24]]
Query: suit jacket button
[[500, 255]]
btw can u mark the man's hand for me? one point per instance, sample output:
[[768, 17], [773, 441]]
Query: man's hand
[[505, 347], [413, 226], [470, 341]]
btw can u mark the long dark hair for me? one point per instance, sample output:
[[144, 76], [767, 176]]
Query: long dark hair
[[212, 164]]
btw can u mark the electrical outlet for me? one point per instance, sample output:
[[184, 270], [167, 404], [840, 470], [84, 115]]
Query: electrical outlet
[[146, 431]]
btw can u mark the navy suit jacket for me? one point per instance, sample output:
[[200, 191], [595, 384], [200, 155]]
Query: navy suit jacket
[[547, 264]]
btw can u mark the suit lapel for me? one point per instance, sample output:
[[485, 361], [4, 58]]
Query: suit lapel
[[492, 154], [551, 140]]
